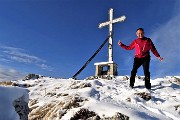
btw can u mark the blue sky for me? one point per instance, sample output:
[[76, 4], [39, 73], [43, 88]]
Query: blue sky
[[56, 37]]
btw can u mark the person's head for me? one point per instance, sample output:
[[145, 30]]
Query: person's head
[[140, 32]]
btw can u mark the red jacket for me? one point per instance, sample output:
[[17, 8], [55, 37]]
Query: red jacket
[[142, 47]]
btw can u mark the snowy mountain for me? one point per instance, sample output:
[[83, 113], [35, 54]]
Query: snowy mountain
[[69, 99]]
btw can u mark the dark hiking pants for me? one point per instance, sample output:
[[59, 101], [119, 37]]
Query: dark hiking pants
[[137, 63]]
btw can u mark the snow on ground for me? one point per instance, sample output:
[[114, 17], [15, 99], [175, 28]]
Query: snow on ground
[[62, 98]]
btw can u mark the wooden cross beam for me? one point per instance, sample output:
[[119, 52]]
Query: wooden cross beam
[[110, 23]]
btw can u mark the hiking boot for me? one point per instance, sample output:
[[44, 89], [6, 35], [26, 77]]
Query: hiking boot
[[148, 86], [131, 86]]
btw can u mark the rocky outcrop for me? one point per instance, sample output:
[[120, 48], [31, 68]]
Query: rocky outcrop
[[85, 114], [13, 103], [21, 107], [144, 95], [32, 76]]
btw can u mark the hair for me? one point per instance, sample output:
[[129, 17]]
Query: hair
[[140, 29]]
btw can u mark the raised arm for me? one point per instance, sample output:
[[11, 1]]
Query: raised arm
[[130, 47]]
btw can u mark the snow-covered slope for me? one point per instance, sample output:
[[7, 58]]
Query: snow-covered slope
[[64, 99]]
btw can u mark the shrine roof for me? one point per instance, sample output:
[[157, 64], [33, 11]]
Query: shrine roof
[[103, 63]]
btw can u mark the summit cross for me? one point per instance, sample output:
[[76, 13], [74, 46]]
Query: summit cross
[[110, 23]]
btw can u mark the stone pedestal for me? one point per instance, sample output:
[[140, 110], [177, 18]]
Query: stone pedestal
[[106, 69]]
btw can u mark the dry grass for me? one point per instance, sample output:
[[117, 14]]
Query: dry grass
[[144, 95], [80, 85], [6, 83], [33, 102], [39, 113], [177, 80], [125, 78], [10, 83], [84, 114], [54, 109], [177, 106]]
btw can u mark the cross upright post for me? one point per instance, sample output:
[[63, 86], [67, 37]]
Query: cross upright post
[[110, 23], [108, 69], [110, 45]]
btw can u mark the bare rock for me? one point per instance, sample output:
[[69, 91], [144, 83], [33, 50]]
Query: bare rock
[[21, 107], [85, 114], [144, 95]]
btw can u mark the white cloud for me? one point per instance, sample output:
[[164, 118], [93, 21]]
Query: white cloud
[[12, 54], [19, 55], [7, 74], [46, 67], [168, 42]]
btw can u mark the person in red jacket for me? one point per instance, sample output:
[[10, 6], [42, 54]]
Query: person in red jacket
[[142, 46]]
